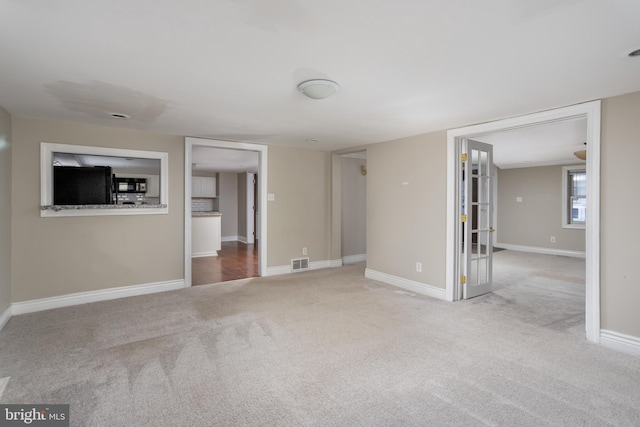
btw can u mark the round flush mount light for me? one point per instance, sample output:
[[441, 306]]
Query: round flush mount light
[[634, 53], [318, 89], [120, 116], [312, 140]]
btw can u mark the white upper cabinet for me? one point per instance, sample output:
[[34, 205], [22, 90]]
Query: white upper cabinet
[[153, 186], [203, 187]]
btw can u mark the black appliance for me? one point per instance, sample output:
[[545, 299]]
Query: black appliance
[[131, 185], [82, 185]]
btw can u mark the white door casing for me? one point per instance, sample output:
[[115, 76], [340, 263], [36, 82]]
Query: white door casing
[[263, 152], [592, 112]]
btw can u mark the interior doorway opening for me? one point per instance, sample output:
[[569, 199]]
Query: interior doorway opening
[[234, 213], [353, 217], [591, 112]]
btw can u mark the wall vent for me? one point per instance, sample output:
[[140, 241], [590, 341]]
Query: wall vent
[[299, 264]]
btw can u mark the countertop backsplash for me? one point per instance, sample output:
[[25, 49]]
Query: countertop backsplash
[[202, 205]]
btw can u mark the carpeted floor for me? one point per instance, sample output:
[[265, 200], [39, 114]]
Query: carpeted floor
[[325, 348]]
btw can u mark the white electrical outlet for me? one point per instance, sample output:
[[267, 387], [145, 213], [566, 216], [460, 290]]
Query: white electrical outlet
[[419, 267], [304, 251], [553, 239]]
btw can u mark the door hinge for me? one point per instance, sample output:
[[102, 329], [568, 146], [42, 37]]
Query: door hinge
[[463, 280], [463, 218], [463, 157]]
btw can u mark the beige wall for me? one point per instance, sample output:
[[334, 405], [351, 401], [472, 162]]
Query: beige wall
[[228, 203], [354, 207], [299, 215], [619, 234], [5, 210], [406, 223], [533, 221], [57, 256]]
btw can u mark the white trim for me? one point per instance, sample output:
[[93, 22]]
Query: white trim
[[230, 239], [263, 162], [410, 285], [451, 257], [68, 300], [590, 110], [350, 259], [203, 254], [335, 263], [46, 178], [5, 317], [621, 342], [243, 239], [313, 265], [318, 265], [539, 250], [279, 270]]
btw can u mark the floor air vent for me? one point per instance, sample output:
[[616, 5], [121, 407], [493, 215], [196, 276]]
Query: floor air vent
[[299, 264]]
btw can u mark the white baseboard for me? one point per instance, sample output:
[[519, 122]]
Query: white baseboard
[[5, 316], [229, 239], [279, 270], [93, 296], [313, 265], [243, 239], [410, 285], [203, 254], [352, 259], [334, 263], [538, 250], [620, 342]]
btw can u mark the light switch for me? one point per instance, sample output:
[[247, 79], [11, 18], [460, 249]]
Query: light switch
[[271, 197], [519, 199]]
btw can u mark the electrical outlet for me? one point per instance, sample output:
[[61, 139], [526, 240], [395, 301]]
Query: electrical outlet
[[419, 267], [304, 251], [553, 239]]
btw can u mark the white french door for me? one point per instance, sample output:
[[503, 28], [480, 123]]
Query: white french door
[[476, 218]]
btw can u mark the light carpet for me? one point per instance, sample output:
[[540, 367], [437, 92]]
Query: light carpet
[[321, 348]]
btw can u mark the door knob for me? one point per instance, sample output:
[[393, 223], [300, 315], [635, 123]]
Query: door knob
[[491, 229]]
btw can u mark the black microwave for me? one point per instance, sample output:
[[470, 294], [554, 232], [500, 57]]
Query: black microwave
[[130, 185]]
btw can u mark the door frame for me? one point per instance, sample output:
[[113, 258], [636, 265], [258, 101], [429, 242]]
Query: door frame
[[262, 151], [592, 112]]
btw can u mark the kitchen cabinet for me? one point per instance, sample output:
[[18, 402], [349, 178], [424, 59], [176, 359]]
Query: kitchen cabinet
[[203, 186], [153, 186], [205, 235]]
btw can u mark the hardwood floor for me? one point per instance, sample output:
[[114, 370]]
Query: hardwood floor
[[234, 261]]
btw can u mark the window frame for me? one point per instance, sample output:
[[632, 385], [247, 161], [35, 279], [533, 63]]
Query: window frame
[[46, 180], [566, 196]]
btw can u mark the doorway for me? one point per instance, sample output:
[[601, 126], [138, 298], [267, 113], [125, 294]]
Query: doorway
[[258, 215], [590, 111]]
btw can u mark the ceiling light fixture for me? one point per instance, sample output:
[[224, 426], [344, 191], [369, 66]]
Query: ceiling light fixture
[[634, 53], [120, 116], [581, 154], [318, 89], [311, 140]]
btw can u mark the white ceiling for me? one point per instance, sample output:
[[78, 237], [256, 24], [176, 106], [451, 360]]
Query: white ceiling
[[228, 69], [540, 145], [210, 159]]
